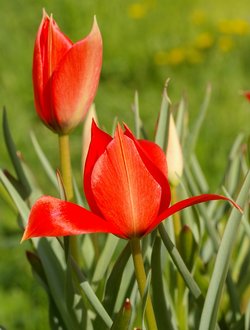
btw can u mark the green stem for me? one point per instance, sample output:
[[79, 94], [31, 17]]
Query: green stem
[[141, 280], [176, 217], [65, 166]]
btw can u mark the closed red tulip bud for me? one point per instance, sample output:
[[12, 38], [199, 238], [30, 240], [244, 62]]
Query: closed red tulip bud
[[126, 186], [65, 75]]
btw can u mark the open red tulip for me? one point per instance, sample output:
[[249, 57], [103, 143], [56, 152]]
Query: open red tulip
[[126, 186], [65, 75]]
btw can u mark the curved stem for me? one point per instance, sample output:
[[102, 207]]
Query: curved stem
[[141, 280]]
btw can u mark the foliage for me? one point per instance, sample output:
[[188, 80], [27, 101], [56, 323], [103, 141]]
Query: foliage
[[197, 45]]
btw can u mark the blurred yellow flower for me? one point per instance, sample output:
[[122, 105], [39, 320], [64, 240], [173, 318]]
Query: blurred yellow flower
[[198, 17], [137, 10], [176, 56], [225, 43], [204, 40], [236, 27]]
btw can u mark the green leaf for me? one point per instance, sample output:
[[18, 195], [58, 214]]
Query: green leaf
[[13, 156], [145, 297], [105, 258], [19, 202], [114, 280], [213, 234], [180, 264], [162, 126], [213, 297], [56, 281], [193, 137], [87, 292], [6, 197], [180, 118], [137, 115], [199, 175], [163, 312]]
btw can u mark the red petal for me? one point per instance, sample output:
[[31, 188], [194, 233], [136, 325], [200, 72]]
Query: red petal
[[155, 161], [189, 202], [247, 95], [98, 144], [124, 190], [53, 217], [50, 46], [75, 81]]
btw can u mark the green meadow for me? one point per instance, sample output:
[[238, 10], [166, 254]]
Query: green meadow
[[194, 43]]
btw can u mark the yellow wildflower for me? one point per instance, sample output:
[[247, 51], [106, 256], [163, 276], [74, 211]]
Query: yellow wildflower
[[204, 40], [236, 27], [137, 10]]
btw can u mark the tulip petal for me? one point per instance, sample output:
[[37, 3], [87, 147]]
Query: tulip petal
[[75, 81], [189, 202], [124, 190], [50, 46], [98, 144], [155, 161], [54, 217]]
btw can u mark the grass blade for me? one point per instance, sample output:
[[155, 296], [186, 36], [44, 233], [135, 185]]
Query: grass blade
[[13, 156], [162, 311], [213, 297]]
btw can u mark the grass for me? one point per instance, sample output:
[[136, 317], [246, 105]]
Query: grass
[[145, 42]]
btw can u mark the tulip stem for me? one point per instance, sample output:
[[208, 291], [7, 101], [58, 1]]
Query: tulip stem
[[176, 218], [65, 166], [141, 280]]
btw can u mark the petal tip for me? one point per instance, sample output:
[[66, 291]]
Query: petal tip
[[24, 237]]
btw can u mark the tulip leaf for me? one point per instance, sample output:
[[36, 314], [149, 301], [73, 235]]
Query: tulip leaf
[[55, 319], [105, 258], [44, 160], [87, 292], [114, 280], [213, 297], [179, 122], [56, 281], [13, 156], [6, 197], [163, 313], [145, 297], [213, 234], [179, 263], [193, 137], [19, 202], [199, 175], [137, 115], [163, 120]]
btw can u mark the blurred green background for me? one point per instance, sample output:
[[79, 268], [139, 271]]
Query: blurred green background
[[192, 42]]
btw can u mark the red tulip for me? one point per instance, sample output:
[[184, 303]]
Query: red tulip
[[126, 186], [65, 75]]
